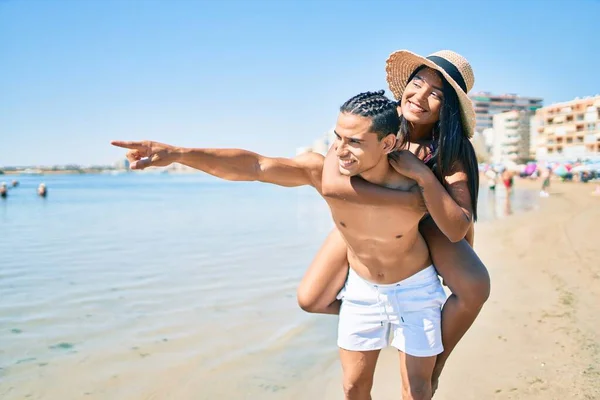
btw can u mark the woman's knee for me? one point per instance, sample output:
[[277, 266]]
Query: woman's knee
[[481, 286], [475, 290], [306, 302], [309, 301]]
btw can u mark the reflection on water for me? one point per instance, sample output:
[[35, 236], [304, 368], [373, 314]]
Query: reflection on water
[[497, 204]]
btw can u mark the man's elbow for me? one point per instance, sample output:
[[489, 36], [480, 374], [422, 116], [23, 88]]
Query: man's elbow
[[258, 172], [328, 191], [247, 175]]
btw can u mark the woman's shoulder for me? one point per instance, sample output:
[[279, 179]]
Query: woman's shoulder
[[423, 150]]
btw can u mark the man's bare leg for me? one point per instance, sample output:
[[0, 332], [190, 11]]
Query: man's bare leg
[[416, 375], [359, 368]]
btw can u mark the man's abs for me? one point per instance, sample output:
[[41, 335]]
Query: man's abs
[[384, 246], [384, 243], [388, 262]]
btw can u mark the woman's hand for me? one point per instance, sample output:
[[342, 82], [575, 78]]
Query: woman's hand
[[407, 164]]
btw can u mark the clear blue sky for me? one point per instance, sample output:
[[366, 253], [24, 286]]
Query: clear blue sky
[[268, 76]]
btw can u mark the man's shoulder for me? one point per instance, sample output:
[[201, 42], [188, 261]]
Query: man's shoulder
[[312, 163], [396, 180], [310, 160]]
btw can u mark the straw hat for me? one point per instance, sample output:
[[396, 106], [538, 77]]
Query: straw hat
[[454, 67]]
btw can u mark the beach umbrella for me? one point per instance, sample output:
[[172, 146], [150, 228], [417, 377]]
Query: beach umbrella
[[582, 168], [560, 170], [594, 167], [530, 168]]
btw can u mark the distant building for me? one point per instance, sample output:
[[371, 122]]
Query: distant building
[[488, 139], [122, 164], [487, 105], [511, 137], [533, 136], [481, 149], [569, 131]]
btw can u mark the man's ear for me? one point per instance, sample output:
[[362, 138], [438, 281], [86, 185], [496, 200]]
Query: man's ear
[[389, 143]]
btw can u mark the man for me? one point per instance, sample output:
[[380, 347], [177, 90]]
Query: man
[[492, 176], [392, 291]]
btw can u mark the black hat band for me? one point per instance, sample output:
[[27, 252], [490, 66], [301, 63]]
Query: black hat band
[[450, 69]]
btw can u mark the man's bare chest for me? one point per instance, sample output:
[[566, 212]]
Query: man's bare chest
[[366, 222]]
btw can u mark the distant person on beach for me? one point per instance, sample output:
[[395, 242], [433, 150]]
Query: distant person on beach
[[392, 290], [508, 180], [42, 191], [546, 174], [491, 176], [3, 190]]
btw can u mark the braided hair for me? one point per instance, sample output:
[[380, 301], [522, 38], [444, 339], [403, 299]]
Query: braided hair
[[375, 105]]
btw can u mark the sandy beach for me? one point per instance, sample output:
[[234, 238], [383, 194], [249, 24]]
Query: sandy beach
[[538, 336]]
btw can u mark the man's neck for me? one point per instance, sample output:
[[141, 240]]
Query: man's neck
[[379, 173]]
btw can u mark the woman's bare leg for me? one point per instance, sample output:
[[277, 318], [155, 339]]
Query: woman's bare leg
[[468, 280], [325, 277]]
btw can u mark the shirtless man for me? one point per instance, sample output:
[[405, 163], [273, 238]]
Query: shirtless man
[[392, 294]]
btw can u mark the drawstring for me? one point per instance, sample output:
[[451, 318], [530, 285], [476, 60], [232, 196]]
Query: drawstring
[[381, 304], [398, 310]]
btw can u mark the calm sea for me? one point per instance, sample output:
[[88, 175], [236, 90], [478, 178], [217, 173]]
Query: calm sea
[[161, 286]]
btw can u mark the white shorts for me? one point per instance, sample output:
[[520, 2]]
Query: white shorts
[[405, 315]]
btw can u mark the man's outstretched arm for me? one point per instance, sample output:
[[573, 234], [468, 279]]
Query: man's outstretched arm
[[229, 164]]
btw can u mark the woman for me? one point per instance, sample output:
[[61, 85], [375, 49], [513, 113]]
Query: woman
[[437, 121], [508, 180]]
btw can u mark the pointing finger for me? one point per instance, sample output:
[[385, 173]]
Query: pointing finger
[[129, 145]]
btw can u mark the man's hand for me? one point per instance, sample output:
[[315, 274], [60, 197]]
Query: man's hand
[[407, 164], [148, 154]]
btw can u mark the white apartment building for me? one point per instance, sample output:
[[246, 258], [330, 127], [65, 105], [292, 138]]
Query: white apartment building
[[569, 131], [487, 105], [511, 137]]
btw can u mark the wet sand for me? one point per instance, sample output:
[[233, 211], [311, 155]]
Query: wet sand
[[538, 337]]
